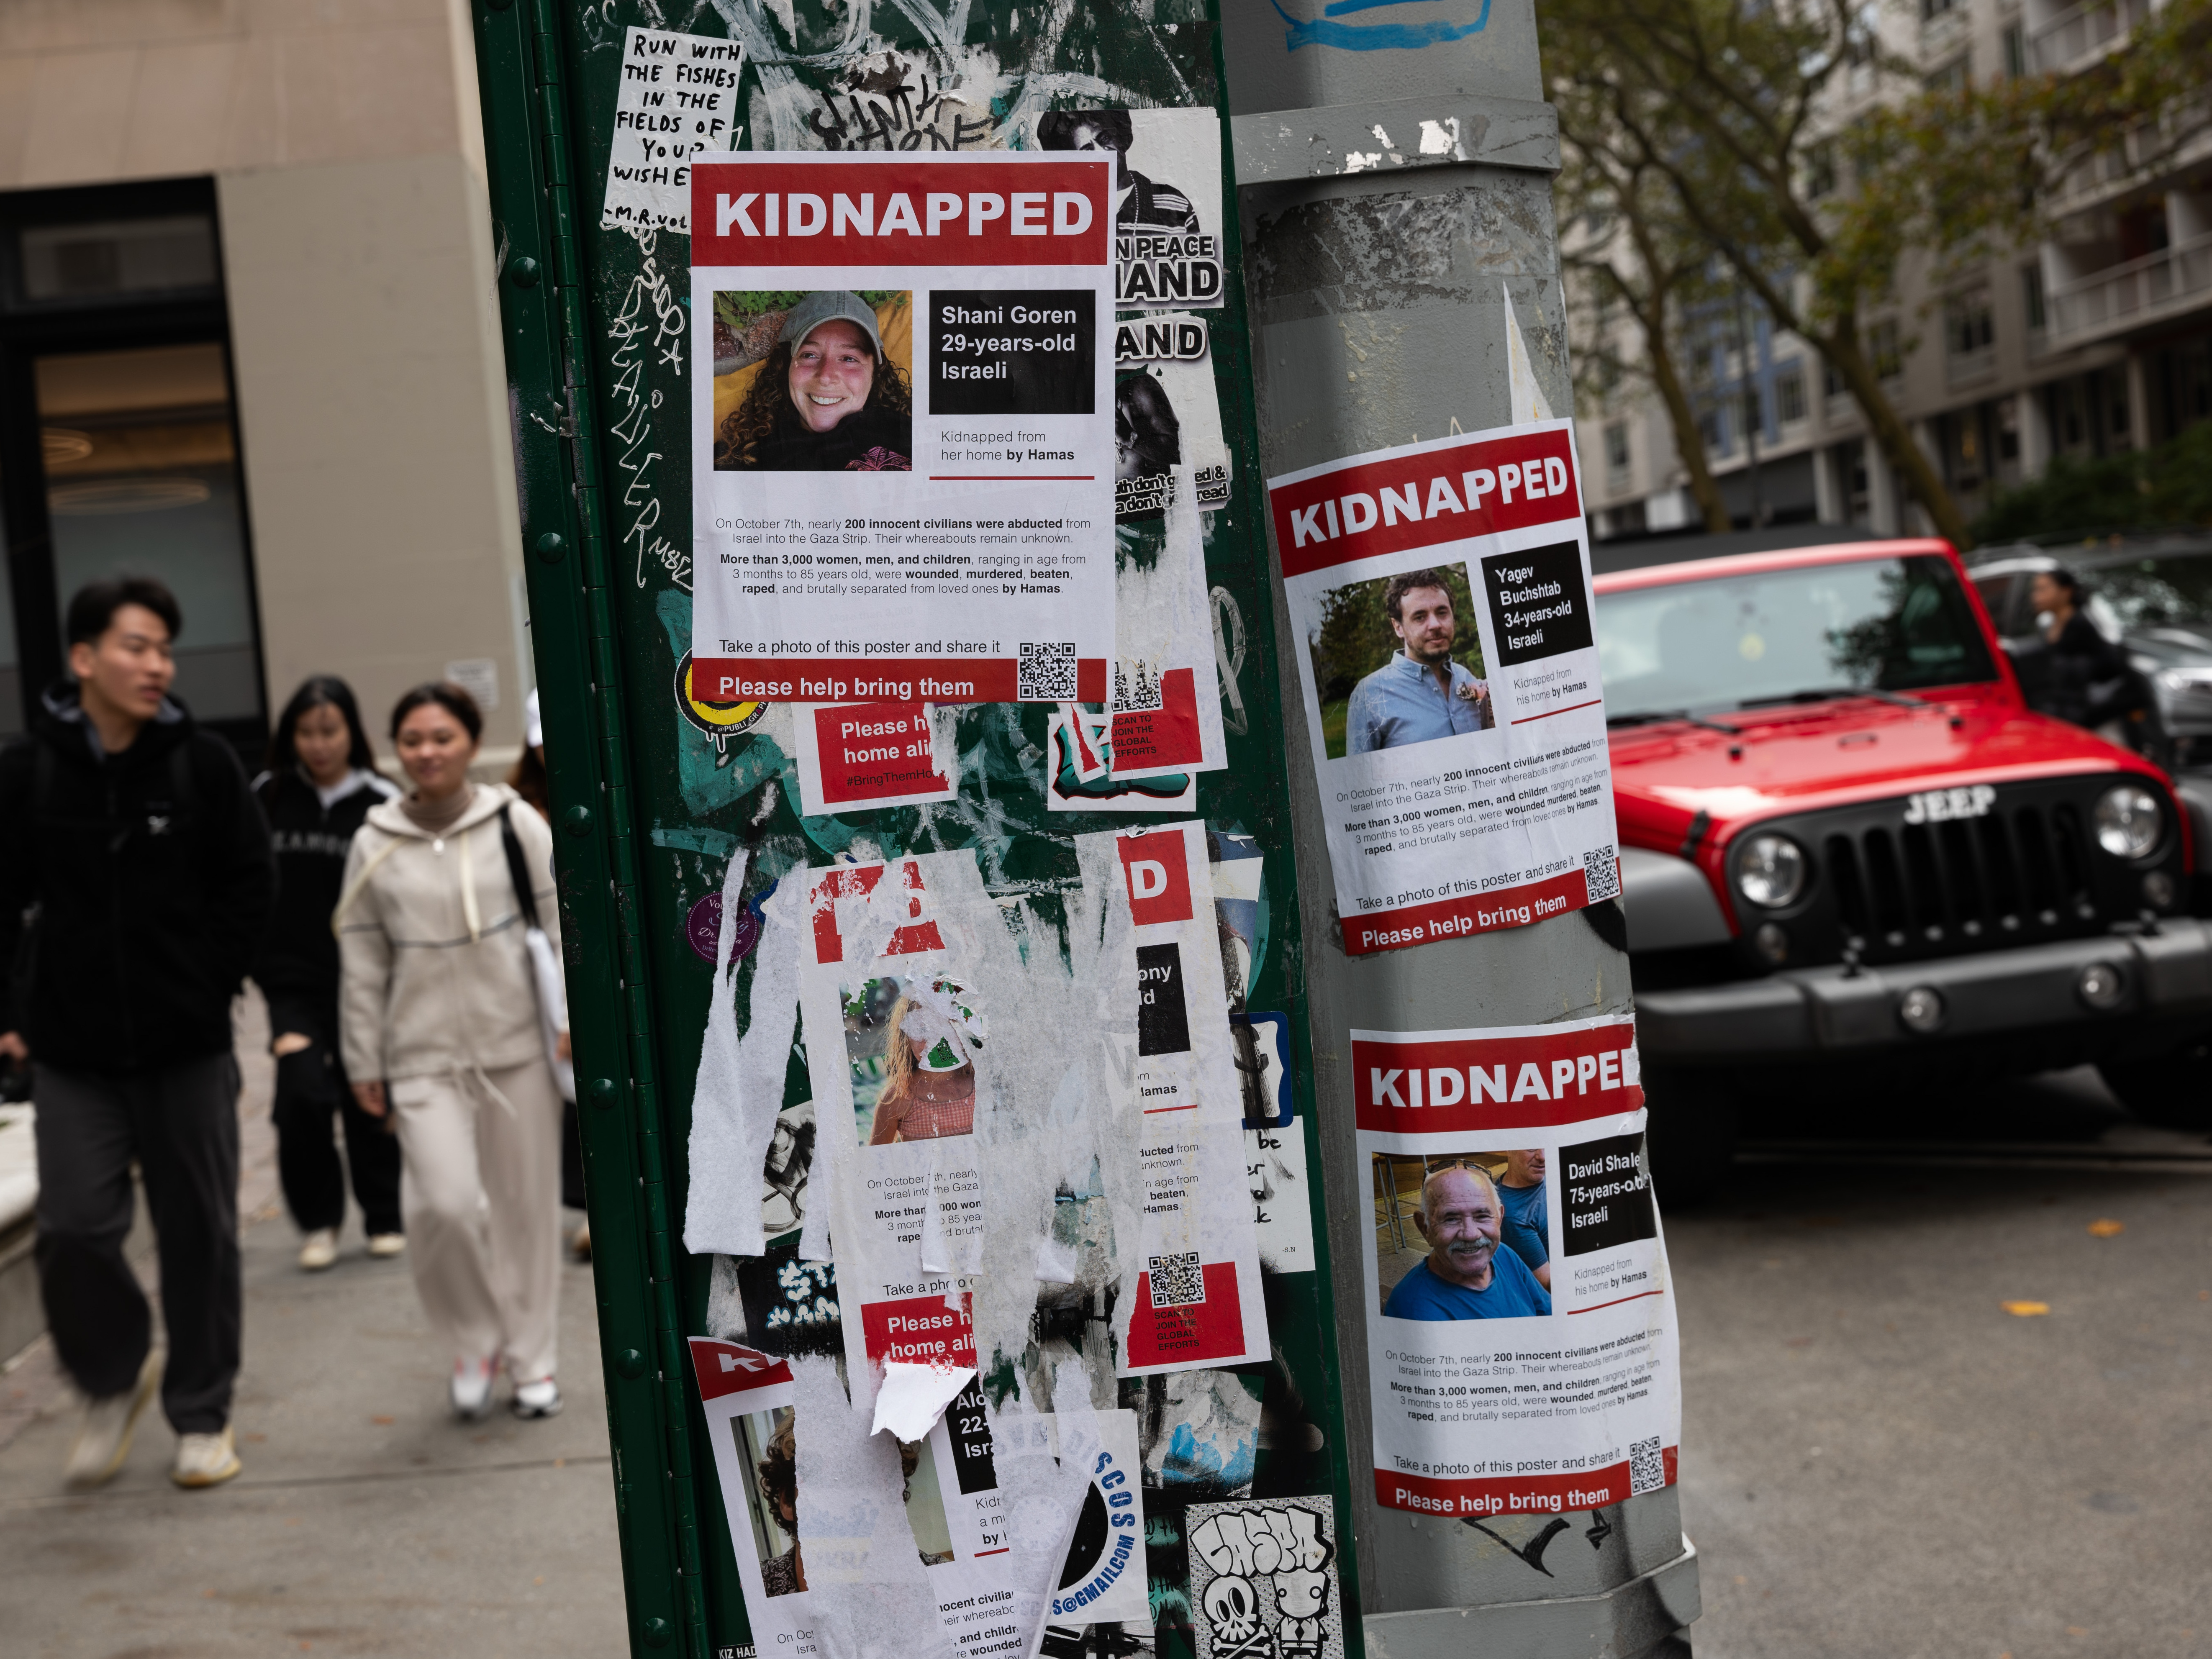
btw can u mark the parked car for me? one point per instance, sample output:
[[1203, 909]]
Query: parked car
[[1848, 846], [2152, 596]]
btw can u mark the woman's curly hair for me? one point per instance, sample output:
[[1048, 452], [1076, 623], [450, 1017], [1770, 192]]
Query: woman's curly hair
[[767, 406]]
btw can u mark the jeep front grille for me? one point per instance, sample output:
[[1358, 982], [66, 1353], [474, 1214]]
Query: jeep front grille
[[2018, 871]]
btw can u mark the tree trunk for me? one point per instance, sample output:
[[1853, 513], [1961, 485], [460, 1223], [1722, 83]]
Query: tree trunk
[[1905, 457]]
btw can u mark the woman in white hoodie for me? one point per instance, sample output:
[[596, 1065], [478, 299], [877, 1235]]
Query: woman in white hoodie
[[439, 1003]]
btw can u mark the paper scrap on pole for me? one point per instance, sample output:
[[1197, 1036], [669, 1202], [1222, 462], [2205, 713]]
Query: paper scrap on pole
[[902, 431], [1502, 1158], [1440, 608], [678, 99]]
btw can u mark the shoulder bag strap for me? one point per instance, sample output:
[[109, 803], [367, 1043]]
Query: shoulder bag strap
[[518, 868]]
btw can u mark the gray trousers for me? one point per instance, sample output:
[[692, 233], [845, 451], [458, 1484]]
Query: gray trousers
[[180, 1123]]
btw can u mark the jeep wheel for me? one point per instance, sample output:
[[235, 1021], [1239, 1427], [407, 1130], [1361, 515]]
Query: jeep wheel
[[1692, 1133], [2173, 1091]]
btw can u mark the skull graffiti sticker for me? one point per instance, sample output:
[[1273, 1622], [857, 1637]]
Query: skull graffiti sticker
[[1263, 1580]]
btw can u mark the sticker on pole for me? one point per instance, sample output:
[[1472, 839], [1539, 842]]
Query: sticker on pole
[[903, 428], [1521, 1335], [1440, 608]]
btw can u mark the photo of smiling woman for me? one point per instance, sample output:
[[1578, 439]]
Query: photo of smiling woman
[[823, 387]]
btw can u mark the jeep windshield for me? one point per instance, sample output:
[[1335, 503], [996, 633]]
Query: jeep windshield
[[1776, 636]]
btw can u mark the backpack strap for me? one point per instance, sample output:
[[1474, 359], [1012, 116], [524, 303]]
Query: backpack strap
[[517, 869]]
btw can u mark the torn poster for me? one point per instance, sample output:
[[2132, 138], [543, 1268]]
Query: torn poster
[[788, 1556], [1167, 413], [853, 757], [678, 99], [1167, 198], [1439, 597], [1521, 1343], [1166, 705], [894, 1030], [903, 428], [1078, 767], [1191, 1276]]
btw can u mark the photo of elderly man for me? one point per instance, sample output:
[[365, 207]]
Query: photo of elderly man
[[1467, 1274], [1421, 694]]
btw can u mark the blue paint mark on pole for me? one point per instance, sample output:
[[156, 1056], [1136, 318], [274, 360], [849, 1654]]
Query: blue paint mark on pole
[[1373, 37]]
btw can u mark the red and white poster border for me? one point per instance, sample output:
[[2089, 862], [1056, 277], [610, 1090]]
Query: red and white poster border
[[1438, 837], [1578, 1409]]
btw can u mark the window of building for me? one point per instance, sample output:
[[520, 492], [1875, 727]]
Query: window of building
[[1616, 448], [2031, 288], [2015, 50], [1950, 77], [1969, 321], [1932, 9], [1820, 172], [1754, 411], [1790, 394], [1886, 347], [1712, 428], [1832, 383], [114, 336]]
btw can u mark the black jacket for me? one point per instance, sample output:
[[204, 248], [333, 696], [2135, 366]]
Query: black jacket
[[297, 964], [147, 906]]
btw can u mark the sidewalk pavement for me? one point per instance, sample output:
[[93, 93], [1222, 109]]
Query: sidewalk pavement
[[366, 1520]]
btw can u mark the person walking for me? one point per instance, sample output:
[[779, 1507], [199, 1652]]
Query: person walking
[[136, 878], [320, 783], [441, 1023]]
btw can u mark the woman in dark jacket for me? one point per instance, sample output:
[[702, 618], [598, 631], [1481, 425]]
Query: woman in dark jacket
[[320, 783]]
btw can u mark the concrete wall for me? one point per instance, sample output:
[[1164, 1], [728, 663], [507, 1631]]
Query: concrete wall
[[344, 139]]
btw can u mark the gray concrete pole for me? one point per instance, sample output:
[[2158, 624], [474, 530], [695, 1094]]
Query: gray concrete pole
[[1393, 197]]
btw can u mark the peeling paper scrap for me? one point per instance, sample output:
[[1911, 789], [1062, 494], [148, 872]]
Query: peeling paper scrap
[[738, 1091], [1166, 705], [1165, 392], [870, 1593], [855, 756], [1190, 1292], [871, 1509], [1067, 790], [911, 1398]]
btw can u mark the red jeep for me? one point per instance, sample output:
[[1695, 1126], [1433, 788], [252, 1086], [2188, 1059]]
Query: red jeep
[[1848, 845]]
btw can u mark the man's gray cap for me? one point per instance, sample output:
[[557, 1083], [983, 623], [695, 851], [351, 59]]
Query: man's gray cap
[[829, 306]]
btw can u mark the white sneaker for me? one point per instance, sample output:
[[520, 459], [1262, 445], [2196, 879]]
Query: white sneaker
[[104, 1441], [472, 1389], [386, 1245], [319, 1249], [536, 1400], [204, 1460]]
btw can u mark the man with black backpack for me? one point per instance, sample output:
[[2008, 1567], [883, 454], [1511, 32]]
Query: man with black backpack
[[136, 877]]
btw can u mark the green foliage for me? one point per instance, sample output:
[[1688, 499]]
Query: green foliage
[[2074, 499], [1354, 637], [737, 309], [1968, 173]]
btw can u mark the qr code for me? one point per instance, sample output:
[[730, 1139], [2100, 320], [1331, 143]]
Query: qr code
[[1601, 871], [1177, 1280], [1647, 1467], [1134, 693], [1047, 673]]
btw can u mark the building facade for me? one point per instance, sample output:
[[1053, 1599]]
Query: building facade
[[2098, 341], [249, 343]]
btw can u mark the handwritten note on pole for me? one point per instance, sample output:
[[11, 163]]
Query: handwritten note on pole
[[679, 92]]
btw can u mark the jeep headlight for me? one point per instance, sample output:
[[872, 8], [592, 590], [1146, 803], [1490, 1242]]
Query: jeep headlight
[[2128, 821], [1769, 871]]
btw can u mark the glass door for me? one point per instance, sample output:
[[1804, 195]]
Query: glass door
[[141, 458]]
